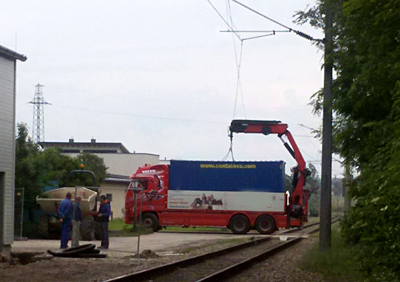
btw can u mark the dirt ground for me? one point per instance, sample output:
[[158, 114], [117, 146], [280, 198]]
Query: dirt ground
[[120, 261], [169, 246]]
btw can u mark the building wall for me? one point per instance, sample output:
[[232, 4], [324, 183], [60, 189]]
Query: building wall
[[118, 191], [83, 147], [7, 150], [125, 164]]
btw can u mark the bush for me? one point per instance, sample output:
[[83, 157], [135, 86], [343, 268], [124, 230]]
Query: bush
[[313, 204], [337, 264]]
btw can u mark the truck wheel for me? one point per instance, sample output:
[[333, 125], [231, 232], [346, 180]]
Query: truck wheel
[[43, 226], [150, 221], [239, 224], [265, 224], [87, 228]]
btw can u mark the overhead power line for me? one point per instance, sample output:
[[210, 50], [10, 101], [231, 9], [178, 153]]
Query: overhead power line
[[255, 31], [219, 14], [299, 33]]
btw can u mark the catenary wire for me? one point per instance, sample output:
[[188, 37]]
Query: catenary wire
[[299, 33], [215, 9]]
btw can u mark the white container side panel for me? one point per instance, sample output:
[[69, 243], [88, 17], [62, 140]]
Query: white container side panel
[[7, 145], [228, 201]]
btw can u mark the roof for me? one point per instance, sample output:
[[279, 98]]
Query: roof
[[85, 144], [10, 54], [116, 178]]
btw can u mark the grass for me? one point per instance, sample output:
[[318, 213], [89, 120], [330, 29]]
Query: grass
[[337, 264], [118, 228], [117, 225]]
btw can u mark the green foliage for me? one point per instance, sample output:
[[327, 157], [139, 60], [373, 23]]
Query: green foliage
[[337, 186], [313, 204], [93, 163], [366, 106], [313, 182], [337, 264], [374, 221], [35, 169]]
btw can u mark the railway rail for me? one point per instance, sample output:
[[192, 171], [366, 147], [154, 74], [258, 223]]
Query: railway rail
[[222, 264]]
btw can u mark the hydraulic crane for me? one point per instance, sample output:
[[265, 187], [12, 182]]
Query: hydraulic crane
[[298, 199]]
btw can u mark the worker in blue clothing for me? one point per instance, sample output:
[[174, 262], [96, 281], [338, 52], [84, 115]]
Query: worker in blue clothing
[[65, 213], [103, 217]]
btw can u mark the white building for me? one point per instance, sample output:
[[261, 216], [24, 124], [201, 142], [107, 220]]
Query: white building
[[120, 162], [8, 63]]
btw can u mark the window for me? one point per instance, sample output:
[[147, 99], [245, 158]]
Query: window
[[109, 197]]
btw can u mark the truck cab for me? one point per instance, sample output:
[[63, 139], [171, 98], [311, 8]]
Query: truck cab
[[153, 180]]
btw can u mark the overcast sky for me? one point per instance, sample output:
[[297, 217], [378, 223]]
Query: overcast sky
[[160, 77]]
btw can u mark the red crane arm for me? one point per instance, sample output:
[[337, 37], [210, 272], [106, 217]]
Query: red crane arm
[[267, 127]]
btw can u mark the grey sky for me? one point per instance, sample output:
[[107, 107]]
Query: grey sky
[[159, 77]]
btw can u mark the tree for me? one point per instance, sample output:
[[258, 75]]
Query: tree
[[337, 186], [366, 105], [26, 172], [36, 169], [314, 184], [90, 162]]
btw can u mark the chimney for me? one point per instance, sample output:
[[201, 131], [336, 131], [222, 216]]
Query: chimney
[[92, 140], [71, 140]]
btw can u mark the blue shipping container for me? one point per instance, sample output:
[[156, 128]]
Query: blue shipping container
[[227, 176]]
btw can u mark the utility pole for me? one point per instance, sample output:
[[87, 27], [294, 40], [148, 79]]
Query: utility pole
[[326, 172], [38, 114]]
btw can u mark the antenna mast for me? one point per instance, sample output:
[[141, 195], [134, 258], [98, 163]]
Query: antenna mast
[[38, 114]]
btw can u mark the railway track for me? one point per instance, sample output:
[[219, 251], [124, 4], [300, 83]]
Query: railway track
[[222, 264]]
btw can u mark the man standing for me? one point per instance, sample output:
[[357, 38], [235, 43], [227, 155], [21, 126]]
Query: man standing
[[65, 213], [76, 222], [103, 218]]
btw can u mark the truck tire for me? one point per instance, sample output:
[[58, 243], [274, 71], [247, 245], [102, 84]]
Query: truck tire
[[87, 228], [239, 224], [265, 224], [150, 221], [43, 226]]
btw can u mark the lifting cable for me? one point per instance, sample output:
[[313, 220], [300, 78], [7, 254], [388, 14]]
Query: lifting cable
[[238, 60], [230, 151], [238, 81]]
